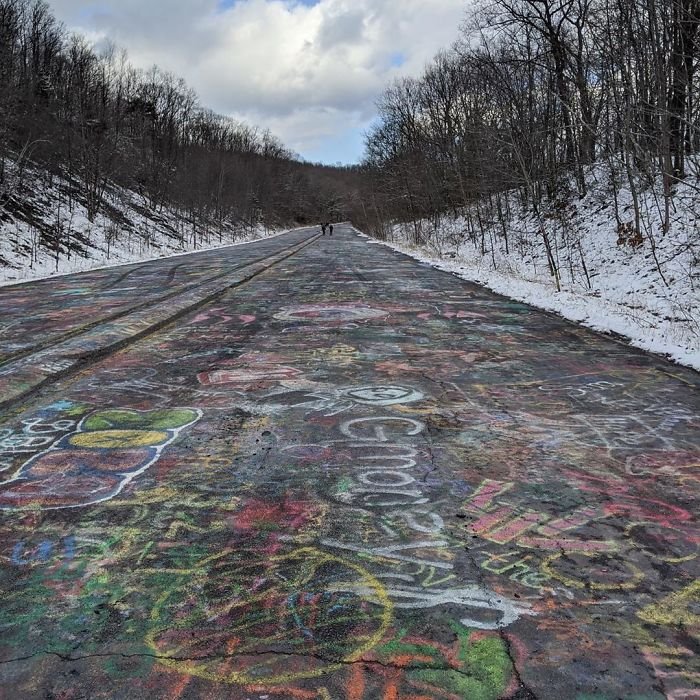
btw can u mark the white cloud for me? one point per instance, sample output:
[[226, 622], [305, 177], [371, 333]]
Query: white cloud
[[309, 71]]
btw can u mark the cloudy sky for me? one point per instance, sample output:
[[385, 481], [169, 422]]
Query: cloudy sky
[[309, 70]]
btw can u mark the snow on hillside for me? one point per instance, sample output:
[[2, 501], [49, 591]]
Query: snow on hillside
[[45, 230], [606, 284]]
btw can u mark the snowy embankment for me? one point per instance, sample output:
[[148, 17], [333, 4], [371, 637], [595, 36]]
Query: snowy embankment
[[45, 229], [650, 294]]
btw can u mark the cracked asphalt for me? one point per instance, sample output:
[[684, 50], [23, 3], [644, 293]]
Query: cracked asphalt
[[312, 468]]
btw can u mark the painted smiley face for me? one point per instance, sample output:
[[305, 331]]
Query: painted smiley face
[[384, 395]]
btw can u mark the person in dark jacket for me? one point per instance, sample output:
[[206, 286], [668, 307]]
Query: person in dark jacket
[[323, 228]]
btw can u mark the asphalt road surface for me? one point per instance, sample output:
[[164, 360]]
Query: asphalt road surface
[[314, 469]]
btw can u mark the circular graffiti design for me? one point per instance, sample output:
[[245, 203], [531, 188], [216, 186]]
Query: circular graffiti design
[[384, 395], [230, 625], [330, 313]]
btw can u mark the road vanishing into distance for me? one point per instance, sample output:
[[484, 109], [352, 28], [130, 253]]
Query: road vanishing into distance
[[311, 468]]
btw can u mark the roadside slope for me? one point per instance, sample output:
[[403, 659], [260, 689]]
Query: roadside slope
[[45, 229], [646, 290]]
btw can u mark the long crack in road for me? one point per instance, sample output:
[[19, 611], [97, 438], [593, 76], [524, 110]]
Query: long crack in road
[[341, 475]]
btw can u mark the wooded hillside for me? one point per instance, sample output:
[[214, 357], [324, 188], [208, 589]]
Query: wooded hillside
[[94, 121], [536, 92]]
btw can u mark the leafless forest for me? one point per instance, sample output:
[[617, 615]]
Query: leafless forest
[[93, 119], [538, 97]]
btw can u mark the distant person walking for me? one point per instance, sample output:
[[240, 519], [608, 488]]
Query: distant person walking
[[330, 226], [323, 228]]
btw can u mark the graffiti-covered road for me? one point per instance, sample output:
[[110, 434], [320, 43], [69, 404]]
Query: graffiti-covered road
[[342, 475]]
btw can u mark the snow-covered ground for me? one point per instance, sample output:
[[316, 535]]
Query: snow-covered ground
[[606, 286], [36, 213]]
